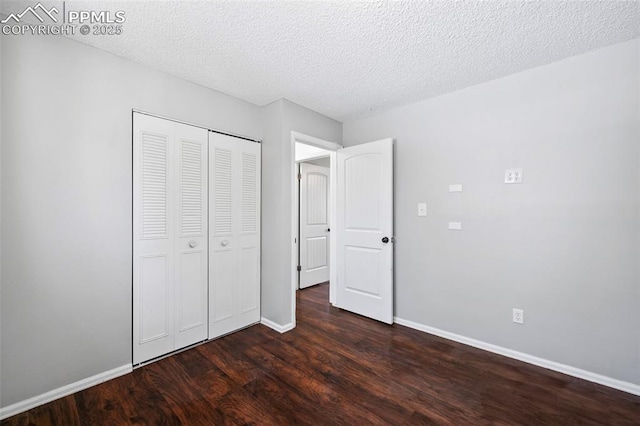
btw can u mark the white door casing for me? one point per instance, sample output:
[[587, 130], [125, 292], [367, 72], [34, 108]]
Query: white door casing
[[314, 224], [169, 217], [364, 223], [234, 237]]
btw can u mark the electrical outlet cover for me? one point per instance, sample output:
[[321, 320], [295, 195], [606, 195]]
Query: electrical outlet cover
[[518, 316], [513, 176]]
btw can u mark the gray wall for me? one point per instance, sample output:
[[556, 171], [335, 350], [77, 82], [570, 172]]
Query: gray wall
[[564, 246], [280, 119], [322, 162], [66, 203], [273, 297]]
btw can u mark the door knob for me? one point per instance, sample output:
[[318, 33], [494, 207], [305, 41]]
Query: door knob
[[224, 243], [193, 244], [328, 229], [385, 240]]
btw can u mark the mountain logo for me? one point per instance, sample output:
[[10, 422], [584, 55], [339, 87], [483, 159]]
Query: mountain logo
[[34, 11]]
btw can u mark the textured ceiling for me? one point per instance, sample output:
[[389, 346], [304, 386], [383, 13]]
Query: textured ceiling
[[346, 59]]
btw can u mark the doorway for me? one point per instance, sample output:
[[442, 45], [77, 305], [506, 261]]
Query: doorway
[[361, 250], [321, 153]]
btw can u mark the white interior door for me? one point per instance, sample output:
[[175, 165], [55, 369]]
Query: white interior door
[[364, 230], [169, 229], [234, 237], [314, 224]]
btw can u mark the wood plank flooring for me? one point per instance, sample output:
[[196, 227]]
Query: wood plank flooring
[[336, 368]]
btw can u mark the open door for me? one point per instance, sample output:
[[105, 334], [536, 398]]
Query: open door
[[314, 224], [364, 230]]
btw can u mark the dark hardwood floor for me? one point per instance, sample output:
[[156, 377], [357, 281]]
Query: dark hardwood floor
[[338, 368]]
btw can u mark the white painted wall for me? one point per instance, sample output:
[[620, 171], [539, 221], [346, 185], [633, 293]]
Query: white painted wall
[[564, 246], [273, 227], [280, 119], [322, 162], [66, 203]]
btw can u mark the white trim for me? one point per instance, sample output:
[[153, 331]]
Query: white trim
[[317, 142], [530, 359], [277, 327], [63, 391], [293, 237], [235, 135], [330, 146], [333, 215]]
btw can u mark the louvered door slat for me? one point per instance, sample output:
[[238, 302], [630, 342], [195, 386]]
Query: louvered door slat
[[154, 159], [222, 209], [249, 193], [192, 181]]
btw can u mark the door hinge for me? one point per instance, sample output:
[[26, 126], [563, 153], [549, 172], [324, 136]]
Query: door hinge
[[299, 268], [299, 176]]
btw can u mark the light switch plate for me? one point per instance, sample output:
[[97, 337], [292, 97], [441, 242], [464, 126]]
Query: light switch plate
[[513, 176], [422, 209], [457, 226], [455, 187]]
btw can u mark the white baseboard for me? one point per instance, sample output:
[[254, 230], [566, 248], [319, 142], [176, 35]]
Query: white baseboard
[[277, 327], [63, 391], [540, 362]]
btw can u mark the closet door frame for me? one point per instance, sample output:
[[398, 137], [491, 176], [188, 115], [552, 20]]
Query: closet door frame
[[178, 242]]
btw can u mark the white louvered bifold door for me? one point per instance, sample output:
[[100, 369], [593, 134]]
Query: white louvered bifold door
[[234, 234], [169, 236], [191, 240]]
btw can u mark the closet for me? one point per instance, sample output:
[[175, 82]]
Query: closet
[[196, 235]]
